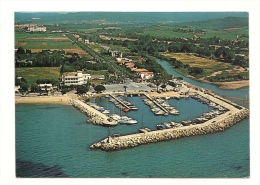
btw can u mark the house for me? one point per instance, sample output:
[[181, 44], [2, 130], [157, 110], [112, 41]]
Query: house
[[37, 29], [116, 53], [129, 65], [147, 75], [86, 76], [69, 79]]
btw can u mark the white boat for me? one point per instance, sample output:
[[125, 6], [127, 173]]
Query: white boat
[[160, 112], [115, 117], [131, 121], [174, 111], [106, 112]]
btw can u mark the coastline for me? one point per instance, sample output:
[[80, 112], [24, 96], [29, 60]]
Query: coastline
[[232, 85], [61, 100]]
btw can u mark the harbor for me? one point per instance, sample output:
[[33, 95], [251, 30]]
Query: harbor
[[222, 115], [128, 141]]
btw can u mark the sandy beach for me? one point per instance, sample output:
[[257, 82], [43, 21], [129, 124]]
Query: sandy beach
[[63, 100]]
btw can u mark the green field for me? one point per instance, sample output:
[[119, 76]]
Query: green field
[[53, 41], [33, 73], [45, 44], [43, 41], [169, 32]]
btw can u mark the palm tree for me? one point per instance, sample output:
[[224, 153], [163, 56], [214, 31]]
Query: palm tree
[[125, 87]]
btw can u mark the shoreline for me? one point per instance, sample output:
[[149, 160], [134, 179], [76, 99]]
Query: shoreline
[[61, 100], [232, 85]]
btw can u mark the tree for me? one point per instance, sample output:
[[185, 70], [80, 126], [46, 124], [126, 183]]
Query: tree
[[20, 50], [99, 88], [163, 86], [24, 86], [35, 88], [82, 89], [64, 90]]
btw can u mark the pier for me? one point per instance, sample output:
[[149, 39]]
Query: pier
[[122, 103], [157, 104], [96, 117]]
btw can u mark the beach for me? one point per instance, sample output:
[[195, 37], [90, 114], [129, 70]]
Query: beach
[[62, 100]]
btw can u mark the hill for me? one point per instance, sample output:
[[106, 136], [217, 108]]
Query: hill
[[58, 17], [218, 23]]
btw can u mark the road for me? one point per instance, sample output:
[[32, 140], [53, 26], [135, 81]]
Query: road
[[131, 86]]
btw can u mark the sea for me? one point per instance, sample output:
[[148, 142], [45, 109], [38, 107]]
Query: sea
[[53, 141]]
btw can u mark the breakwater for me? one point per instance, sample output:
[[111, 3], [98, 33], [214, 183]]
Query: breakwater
[[128, 141], [96, 117]]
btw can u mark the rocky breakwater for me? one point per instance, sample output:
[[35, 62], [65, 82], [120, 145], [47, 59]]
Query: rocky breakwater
[[129, 141], [95, 116]]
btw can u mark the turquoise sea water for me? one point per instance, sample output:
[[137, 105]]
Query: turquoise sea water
[[49, 143]]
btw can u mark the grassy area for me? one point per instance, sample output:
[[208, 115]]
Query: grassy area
[[229, 76], [165, 32], [33, 73], [169, 32], [230, 34], [36, 42], [209, 66], [46, 44], [92, 72]]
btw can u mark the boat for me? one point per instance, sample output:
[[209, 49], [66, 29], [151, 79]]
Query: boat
[[133, 108], [127, 120], [160, 112], [167, 125], [115, 117], [106, 112], [186, 122], [131, 121], [147, 129], [174, 111], [142, 130], [125, 109], [160, 127]]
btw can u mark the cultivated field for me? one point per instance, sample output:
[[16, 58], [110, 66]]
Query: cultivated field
[[33, 73], [208, 65], [36, 42]]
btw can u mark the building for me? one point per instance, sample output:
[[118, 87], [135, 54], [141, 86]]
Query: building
[[37, 29], [116, 53], [69, 79], [147, 75]]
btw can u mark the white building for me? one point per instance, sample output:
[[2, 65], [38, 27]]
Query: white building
[[147, 75], [37, 28], [69, 79]]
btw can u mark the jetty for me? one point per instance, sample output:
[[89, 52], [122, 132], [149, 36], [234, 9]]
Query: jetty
[[128, 107], [96, 117], [156, 103]]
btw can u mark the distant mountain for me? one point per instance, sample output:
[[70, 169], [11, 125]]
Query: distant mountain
[[57, 17]]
